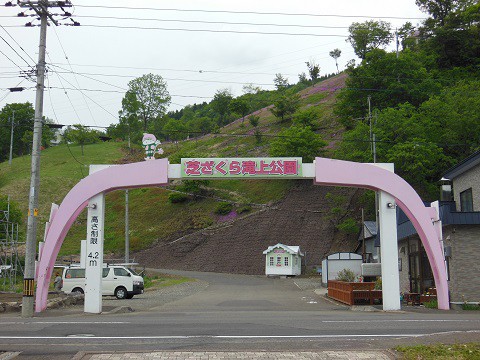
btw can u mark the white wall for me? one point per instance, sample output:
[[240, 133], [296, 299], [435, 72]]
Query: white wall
[[335, 266]]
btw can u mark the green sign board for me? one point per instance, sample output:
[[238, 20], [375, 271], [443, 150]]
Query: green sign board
[[222, 168]]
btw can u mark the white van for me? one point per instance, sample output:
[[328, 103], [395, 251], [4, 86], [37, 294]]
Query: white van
[[119, 281]]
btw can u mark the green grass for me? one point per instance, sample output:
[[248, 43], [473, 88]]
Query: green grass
[[160, 281], [152, 217], [470, 351], [473, 307]]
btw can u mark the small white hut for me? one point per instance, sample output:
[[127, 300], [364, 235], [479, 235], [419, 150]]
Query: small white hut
[[283, 260]]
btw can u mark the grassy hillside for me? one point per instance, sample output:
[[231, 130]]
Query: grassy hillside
[[153, 218]]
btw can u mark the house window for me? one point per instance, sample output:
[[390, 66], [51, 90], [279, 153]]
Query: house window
[[285, 261], [466, 200], [271, 260], [279, 261]]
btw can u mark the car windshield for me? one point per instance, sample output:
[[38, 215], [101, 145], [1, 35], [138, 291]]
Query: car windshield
[[132, 271]]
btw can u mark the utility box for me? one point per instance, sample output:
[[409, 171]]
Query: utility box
[[371, 269]]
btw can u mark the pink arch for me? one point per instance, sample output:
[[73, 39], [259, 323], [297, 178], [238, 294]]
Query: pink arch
[[142, 174], [155, 173], [345, 173]]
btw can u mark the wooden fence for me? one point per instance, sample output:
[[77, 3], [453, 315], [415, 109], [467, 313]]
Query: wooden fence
[[352, 293]]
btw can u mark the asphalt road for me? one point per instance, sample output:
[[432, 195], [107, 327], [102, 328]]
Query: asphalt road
[[224, 312]]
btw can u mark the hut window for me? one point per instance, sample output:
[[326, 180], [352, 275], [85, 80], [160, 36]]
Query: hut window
[[271, 260], [279, 261], [286, 261]]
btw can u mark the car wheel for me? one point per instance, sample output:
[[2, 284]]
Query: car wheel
[[121, 293], [77, 290]]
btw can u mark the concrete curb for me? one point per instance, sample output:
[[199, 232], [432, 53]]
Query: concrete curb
[[55, 303]]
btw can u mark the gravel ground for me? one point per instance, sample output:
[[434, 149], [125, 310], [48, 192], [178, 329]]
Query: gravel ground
[[310, 283], [156, 298]]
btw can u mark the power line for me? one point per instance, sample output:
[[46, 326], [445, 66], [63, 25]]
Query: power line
[[169, 79], [68, 96], [121, 92], [16, 52], [88, 77], [211, 31], [197, 71], [18, 44], [76, 80], [81, 91], [211, 22], [11, 60], [247, 12]]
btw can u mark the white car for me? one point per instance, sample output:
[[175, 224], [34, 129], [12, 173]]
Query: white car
[[119, 281]]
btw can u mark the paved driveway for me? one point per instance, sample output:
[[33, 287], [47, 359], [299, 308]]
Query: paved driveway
[[228, 292]]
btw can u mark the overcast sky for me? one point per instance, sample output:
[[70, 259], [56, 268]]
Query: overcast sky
[[106, 53]]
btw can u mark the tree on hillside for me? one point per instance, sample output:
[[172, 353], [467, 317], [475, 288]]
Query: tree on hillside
[[251, 89], [23, 115], [175, 130], [240, 106], [146, 99], [335, 54], [298, 142], [81, 135], [455, 38], [307, 118], [281, 82], [302, 78], [394, 80], [313, 71], [440, 9], [221, 104], [285, 106], [406, 35], [368, 36]]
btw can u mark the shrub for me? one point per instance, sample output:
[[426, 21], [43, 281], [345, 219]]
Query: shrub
[[466, 306], [346, 275], [176, 198], [378, 284], [348, 226], [201, 222], [432, 304], [224, 208], [244, 209]]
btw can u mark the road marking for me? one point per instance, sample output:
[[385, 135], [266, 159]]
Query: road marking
[[61, 322], [399, 320], [209, 337]]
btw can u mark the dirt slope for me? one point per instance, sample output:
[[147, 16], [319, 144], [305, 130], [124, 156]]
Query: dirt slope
[[300, 219]]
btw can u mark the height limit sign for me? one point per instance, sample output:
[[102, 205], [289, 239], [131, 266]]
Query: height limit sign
[[94, 258]]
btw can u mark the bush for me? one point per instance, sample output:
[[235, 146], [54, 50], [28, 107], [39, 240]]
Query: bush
[[224, 208], [466, 306], [346, 275], [244, 209], [201, 222], [378, 284], [176, 198], [348, 226], [432, 304]]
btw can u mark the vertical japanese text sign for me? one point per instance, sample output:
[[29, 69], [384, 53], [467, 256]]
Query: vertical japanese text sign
[[94, 258]]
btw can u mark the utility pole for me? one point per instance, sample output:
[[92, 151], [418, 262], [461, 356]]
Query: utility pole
[[41, 8], [127, 231], [374, 152], [11, 139], [396, 40]]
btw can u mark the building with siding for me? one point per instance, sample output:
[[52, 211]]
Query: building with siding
[[459, 212], [283, 260]]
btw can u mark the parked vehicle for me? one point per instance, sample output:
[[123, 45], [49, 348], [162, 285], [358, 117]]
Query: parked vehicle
[[118, 281]]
